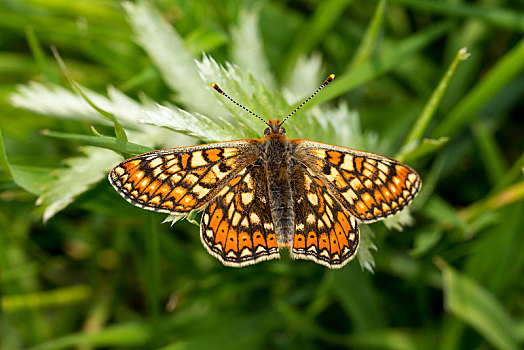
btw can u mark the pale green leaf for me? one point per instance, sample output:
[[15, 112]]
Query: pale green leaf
[[303, 79], [80, 174], [167, 49], [193, 124], [43, 99], [400, 220], [246, 90], [426, 240], [57, 101], [247, 50], [479, 308], [364, 255], [31, 178]]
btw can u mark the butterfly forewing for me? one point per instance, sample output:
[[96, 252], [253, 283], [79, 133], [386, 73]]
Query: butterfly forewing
[[178, 180], [370, 186], [325, 232], [236, 226]]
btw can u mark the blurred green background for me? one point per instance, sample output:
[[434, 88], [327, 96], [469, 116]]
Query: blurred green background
[[100, 273]]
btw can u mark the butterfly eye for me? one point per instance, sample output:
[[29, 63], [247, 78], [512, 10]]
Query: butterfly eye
[[267, 131], [282, 131]]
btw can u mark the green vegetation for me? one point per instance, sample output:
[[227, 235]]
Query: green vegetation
[[437, 84]]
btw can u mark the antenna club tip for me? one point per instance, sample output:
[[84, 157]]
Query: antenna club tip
[[329, 79], [216, 87]]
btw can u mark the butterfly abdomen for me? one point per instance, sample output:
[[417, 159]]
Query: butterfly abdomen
[[279, 188]]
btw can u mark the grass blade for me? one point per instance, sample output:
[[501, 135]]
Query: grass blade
[[313, 30], [369, 42], [4, 163], [490, 154], [382, 63], [476, 306], [427, 113], [506, 69], [493, 15], [119, 146]]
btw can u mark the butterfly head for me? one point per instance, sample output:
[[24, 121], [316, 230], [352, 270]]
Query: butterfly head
[[274, 128]]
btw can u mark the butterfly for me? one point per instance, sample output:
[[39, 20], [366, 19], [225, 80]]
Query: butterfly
[[259, 196]]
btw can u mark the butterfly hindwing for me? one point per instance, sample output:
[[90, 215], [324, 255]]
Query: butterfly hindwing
[[370, 186], [178, 180], [325, 232], [236, 226]]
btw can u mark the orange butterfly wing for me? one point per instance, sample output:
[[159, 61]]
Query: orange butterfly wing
[[236, 226], [178, 180], [371, 186], [325, 231]]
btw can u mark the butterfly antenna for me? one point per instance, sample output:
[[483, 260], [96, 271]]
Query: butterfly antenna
[[327, 81], [219, 90]]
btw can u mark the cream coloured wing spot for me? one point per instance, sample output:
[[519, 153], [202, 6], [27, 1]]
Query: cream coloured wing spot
[[236, 218], [348, 163], [200, 191], [229, 197], [218, 173], [310, 219], [176, 178], [119, 171], [228, 152], [197, 159], [155, 162], [255, 219], [247, 198], [313, 198]]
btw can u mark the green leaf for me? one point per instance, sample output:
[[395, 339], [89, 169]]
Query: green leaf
[[489, 152], [246, 90], [81, 174], [366, 245], [247, 47], [426, 240], [119, 146], [479, 308], [442, 212], [39, 56], [170, 55], [31, 178], [193, 124], [517, 169], [303, 79], [393, 339], [119, 131]]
